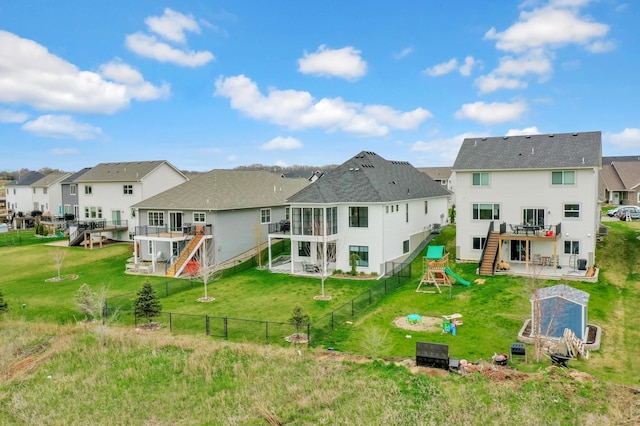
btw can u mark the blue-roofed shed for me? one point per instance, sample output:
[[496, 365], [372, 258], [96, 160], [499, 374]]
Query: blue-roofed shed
[[561, 307]]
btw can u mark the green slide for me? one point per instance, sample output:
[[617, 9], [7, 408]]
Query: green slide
[[457, 277]]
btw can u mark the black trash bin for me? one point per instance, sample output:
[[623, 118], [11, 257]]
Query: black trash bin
[[582, 264]]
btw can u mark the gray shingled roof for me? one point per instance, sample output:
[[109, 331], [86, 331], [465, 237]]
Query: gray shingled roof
[[49, 180], [225, 190], [72, 178], [27, 179], [133, 171], [629, 172], [564, 291], [549, 151], [625, 158], [611, 179], [369, 178]]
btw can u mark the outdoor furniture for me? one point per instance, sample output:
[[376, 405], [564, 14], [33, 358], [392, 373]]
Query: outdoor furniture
[[414, 319], [310, 267]]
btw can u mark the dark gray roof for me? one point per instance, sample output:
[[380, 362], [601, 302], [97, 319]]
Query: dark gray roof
[[611, 159], [75, 176], [27, 179], [367, 177], [564, 291], [226, 190], [133, 171], [549, 151]]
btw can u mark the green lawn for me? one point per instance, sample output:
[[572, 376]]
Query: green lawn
[[492, 313]]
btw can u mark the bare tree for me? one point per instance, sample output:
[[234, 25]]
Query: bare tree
[[258, 237], [208, 269], [58, 257]]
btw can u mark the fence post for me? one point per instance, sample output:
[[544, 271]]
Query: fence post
[[309, 335], [207, 327], [170, 322], [352, 308], [226, 328], [266, 330], [104, 312]]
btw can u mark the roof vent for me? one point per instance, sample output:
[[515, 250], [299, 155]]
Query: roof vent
[[582, 160], [484, 139], [528, 136], [532, 148], [475, 142], [505, 137], [551, 135], [575, 134]]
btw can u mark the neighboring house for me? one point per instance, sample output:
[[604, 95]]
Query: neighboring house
[[107, 191], [20, 193], [69, 188], [620, 180], [231, 209], [47, 194], [524, 198], [375, 209], [3, 197], [442, 175]]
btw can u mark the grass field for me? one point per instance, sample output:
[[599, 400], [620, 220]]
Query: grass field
[[54, 370]]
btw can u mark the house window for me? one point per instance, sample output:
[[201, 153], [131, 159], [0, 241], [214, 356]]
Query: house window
[[387, 209], [88, 190], [44, 191], [304, 248], [480, 179], [93, 212], [296, 225], [358, 217], [572, 247], [73, 189], [150, 247], [34, 190], [479, 242], [405, 246], [332, 220], [363, 255], [307, 216], [406, 212], [127, 189], [533, 216], [156, 218], [486, 211], [36, 206], [571, 210], [199, 217], [67, 208], [287, 213], [426, 207], [565, 177], [265, 215]]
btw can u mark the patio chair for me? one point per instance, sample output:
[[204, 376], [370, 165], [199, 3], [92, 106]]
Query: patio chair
[[514, 229]]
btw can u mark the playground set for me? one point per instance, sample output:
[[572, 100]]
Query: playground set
[[435, 265]]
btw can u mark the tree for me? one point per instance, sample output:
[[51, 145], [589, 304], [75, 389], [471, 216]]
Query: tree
[[452, 214], [147, 304], [58, 258], [207, 268], [4, 306], [299, 318], [258, 237], [88, 303], [353, 262]]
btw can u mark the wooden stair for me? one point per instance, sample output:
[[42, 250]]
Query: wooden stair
[[490, 253], [186, 255]]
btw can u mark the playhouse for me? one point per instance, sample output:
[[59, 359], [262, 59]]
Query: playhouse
[[435, 265]]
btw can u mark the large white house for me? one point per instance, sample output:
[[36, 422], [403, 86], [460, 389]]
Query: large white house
[[536, 195], [47, 193], [377, 209], [107, 191], [20, 193]]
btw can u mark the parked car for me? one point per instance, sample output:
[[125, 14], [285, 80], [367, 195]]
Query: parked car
[[615, 212], [632, 214]]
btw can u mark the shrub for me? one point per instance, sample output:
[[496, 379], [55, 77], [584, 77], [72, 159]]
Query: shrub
[[4, 306], [147, 304]]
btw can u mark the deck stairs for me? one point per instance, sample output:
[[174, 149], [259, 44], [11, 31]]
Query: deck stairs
[[187, 254], [487, 263]]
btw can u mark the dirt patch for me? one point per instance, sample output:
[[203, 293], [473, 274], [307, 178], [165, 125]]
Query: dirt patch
[[71, 277], [425, 324], [149, 326], [297, 338]]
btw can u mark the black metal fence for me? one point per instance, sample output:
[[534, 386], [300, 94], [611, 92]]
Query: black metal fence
[[262, 331]]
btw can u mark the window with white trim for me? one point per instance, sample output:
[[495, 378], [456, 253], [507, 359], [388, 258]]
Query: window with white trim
[[359, 217], [571, 210], [405, 246], [199, 217], [265, 215], [156, 218], [426, 207], [480, 179], [572, 247], [363, 255], [127, 189], [73, 189], [564, 177], [479, 242], [88, 190], [304, 248], [486, 211]]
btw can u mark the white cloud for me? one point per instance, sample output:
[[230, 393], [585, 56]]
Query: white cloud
[[281, 163], [521, 132], [299, 110], [493, 113], [8, 116], [442, 151], [601, 46], [532, 62], [344, 63], [172, 25], [554, 25], [629, 138], [63, 151], [469, 63], [136, 87], [150, 47], [280, 143], [30, 75], [61, 126], [404, 53], [442, 68], [492, 82]]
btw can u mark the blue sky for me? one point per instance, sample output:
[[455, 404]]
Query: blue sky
[[218, 84]]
